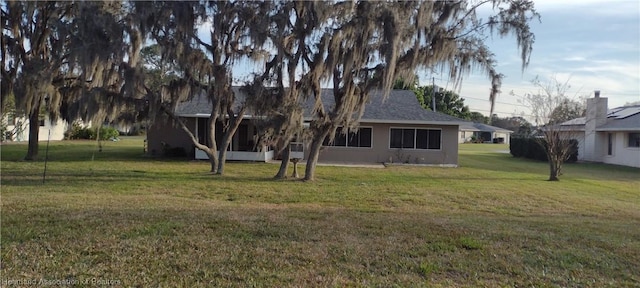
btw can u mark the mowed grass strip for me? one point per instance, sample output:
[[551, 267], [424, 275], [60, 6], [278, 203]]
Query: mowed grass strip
[[493, 221]]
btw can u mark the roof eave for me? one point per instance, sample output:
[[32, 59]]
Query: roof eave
[[416, 122], [196, 115], [203, 115], [618, 129]]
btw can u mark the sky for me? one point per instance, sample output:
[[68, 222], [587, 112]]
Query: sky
[[592, 44]]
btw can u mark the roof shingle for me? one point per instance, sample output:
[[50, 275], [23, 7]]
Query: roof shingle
[[401, 106]]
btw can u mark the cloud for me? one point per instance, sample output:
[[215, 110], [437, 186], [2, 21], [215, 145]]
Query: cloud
[[574, 58], [592, 7]]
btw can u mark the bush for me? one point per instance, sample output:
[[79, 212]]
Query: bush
[[107, 133], [78, 132], [530, 148]]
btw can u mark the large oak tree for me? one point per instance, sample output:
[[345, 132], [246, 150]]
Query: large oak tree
[[358, 47], [205, 61]]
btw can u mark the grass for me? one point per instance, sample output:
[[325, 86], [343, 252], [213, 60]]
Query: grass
[[135, 221]]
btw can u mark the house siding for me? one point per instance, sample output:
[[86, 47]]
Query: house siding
[[600, 122], [465, 136], [622, 154], [505, 136], [380, 151], [57, 130], [579, 136], [164, 132]]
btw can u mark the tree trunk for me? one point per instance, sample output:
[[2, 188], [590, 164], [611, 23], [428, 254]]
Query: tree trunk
[[553, 169], [222, 158], [314, 152], [213, 159], [234, 123], [284, 164], [213, 153], [34, 131], [210, 151]]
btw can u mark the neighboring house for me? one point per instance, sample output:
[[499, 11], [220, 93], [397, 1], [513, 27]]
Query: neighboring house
[[397, 130], [607, 135], [484, 133], [17, 129]]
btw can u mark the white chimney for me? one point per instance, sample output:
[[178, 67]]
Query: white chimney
[[595, 117]]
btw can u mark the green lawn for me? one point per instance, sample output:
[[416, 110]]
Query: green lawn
[[119, 216]]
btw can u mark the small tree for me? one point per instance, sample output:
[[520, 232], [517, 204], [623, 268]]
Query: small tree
[[554, 138]]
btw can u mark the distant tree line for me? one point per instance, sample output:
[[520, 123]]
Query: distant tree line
[[450, 103]]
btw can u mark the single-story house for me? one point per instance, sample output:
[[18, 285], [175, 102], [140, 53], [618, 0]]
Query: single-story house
[[395, 130], [482, 132], [605, 135], [17, 128]]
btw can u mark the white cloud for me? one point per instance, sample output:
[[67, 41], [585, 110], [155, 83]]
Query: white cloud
[[574, 58], [599, 7]]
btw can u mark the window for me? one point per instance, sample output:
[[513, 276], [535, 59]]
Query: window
[[609, 144], [396, 138], [11, 118], [408, 138], [634, 140], [362, 137], [422, 139], [415, 138], [340, 139], [434, 139]]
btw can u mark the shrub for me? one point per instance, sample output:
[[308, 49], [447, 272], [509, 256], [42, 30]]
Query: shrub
[[530, 148], [107, 133], [78, 132]]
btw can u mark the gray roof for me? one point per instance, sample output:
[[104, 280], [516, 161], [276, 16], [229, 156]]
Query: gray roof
[[200, 106], [622, 119], [400, 107], [577, 121], [618, 119], [482, 128]]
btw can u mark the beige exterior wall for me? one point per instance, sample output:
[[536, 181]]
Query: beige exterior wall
[[380, 151], [172, 135]]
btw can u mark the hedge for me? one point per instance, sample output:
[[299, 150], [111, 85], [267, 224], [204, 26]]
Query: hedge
[[77, 132], [530, 148]]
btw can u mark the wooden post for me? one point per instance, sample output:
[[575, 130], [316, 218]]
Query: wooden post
[[295, 167]]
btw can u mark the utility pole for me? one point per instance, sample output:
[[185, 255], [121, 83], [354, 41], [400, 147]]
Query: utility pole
[[433, 94]]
